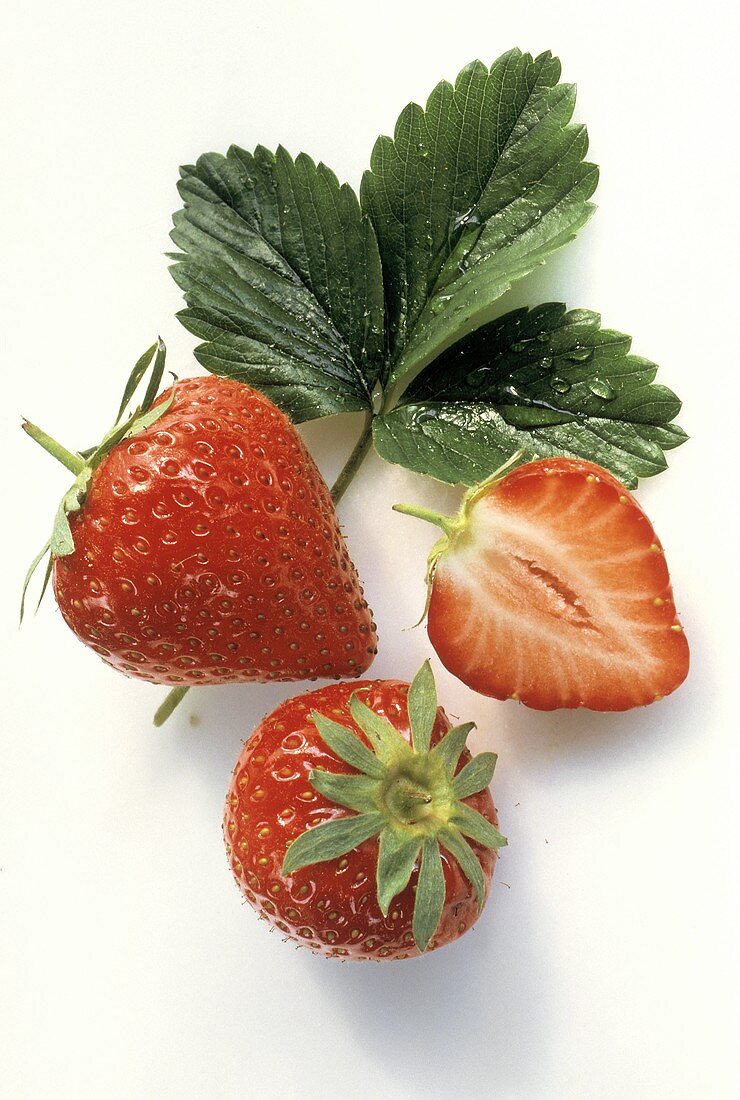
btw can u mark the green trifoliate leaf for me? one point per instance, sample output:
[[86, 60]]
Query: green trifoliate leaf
[[389, 746], [471, 194], [330, 840], [544, 380], [457, 846], [282, 278], [356, 792], [422, 707], [430, 894], [348, 746], [477, 827], [475, 776], [396, 859], [448, 750]]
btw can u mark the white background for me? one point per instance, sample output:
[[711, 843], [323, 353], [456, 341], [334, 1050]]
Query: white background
[[602, 965]]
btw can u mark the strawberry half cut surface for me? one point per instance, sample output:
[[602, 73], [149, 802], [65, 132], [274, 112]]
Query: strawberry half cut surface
[[200, 545], [358, 824], [550, 587]]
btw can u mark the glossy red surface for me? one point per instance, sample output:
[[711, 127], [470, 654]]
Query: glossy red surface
[[330, 907], [208, 551]]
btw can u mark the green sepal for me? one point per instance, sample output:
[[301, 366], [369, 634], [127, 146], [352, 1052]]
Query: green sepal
[[84, 463], [45, 581], [422, 707], [397, 855], [155, 379], [347, 746], [31, 570], [430, 894], [385, 738], [477, 827], [407, 795], [61, 542], [449, 749], [457, 846], [330, 840], [137, 422], [475, 776], [140, 368], [356, 792]]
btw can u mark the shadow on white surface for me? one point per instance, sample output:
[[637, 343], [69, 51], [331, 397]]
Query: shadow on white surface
[[476, 1004]]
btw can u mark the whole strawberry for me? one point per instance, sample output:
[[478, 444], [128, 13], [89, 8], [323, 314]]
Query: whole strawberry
[[200, 545], [550, 587], [347, 818]]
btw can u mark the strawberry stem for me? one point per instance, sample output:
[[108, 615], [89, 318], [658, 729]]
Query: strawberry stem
[[172, 699], [72, 461], [449, 524], [354, 461]]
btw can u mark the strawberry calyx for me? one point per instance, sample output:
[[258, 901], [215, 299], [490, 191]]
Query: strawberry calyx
[[456, 525], [84, 463], [410, 796]]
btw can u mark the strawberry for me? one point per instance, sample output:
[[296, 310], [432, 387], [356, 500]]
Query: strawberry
[[201, 546], [551, 587], [347, 817]]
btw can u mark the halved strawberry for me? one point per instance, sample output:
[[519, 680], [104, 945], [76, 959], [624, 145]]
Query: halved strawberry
[[551, 587]]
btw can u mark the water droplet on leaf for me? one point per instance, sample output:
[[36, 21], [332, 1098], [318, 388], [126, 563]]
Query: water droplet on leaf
[[560, 385], [601, 388], [580, 355]]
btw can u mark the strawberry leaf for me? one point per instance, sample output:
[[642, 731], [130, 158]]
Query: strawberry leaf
[[471, 194], [546, 381], [325, 302], [282, 279]]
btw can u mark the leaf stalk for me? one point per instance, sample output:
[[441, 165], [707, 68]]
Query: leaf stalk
[[355, 460]]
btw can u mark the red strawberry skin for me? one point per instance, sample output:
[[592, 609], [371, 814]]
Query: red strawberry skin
[[331, 907], [208, 551], [558, 594]]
